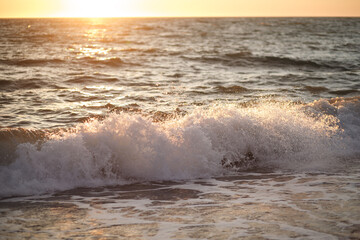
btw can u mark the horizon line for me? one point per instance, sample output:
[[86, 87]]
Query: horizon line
[[49, 17]]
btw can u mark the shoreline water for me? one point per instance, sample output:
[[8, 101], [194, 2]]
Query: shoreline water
[[246, 206]]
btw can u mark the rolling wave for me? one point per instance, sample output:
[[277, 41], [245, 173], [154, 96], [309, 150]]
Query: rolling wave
[[247, 59], [319, 136]]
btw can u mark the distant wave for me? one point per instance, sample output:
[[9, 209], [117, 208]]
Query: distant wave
[[30, 62], [344, 92], [234, 89], [109, 62], [315, 89], [46, 37], [4, 83], [112, 62], [247, 59], [146, 28], [231, 89], [89, 79], [322, 135], [142, 50], [31, 83]]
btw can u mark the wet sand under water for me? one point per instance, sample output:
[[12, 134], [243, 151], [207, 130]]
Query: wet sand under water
[[245, 206]]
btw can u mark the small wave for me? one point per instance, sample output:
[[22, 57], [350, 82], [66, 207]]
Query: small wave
[[142, 84], [170, 35], [247, 59], [107, 62], [40, 38], [315, 89], [237, 55], [111, 62], [132, 108], [32, 83], [31, 62], [87, 79], [232, 89], [5, 83], [142, 98], [176, 75], [206, 142], [284, 61], [344, 92], [199, 92], [147, 50], [145, 28]]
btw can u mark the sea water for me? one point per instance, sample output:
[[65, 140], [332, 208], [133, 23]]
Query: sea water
[[184, 128]]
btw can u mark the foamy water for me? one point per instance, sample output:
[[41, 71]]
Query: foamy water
[[208, 142]]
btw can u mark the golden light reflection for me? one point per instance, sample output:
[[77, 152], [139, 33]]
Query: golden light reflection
[[91, 51], [95, 34], [105, 87]]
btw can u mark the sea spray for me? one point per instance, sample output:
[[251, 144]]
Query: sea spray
[[203, 143]]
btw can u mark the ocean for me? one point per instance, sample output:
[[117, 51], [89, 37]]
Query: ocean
[[180, 128]]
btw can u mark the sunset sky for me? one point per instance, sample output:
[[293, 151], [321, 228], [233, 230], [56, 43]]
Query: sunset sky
[[176, 8]]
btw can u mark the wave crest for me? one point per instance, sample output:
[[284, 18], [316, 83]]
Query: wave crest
[[207, 142]]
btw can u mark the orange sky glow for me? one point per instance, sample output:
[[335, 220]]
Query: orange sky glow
[[177, 8]]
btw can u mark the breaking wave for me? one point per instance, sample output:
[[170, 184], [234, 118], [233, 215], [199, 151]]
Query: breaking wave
[[211, 141]]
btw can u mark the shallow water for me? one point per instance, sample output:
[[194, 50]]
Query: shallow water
[[208, 128], [245, 206]]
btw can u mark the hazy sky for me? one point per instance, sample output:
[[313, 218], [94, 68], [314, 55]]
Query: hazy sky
[[125, 8]]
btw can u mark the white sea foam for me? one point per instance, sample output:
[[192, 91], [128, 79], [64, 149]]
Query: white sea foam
[[284, 136]]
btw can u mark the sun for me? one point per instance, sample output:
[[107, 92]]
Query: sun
[[101, 8]]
